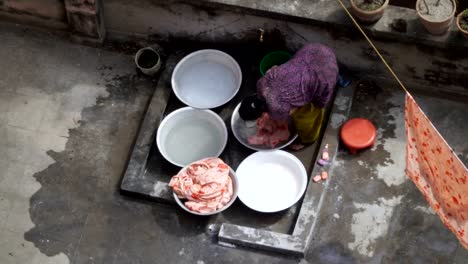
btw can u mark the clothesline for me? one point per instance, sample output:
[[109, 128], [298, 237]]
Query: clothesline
[[373, 46]]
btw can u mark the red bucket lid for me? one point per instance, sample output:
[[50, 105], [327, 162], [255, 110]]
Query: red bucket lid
[[358, 133]]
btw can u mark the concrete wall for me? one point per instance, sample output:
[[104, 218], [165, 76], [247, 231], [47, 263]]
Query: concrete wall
[[49, 13], [435, 70]]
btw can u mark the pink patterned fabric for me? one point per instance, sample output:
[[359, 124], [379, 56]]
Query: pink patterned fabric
[[437, 171]]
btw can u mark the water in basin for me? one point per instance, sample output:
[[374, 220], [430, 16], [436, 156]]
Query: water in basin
[[192, 140]]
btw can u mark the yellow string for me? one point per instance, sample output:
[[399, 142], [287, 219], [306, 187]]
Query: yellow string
[[373, 46]]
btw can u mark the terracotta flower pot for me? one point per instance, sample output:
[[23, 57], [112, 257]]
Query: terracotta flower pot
[[436, 27], [368, 16], [464, 32]]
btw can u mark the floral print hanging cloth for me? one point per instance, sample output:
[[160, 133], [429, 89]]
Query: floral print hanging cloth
[[436, 170]]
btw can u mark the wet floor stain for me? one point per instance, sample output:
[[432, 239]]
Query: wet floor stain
[[69, 186], [371, 222]]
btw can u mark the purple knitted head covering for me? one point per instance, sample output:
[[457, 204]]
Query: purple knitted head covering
[[309, 77]]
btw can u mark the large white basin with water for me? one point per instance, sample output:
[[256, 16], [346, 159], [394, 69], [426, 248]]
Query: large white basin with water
[[188, 134], [206, 79]]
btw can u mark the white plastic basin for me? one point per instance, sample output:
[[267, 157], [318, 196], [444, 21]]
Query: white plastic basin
[[206, 79], [271, 181], [187, 135]]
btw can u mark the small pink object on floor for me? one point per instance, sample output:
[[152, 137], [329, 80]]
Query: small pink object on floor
[[317, 178], [325, 155], [324, 175]]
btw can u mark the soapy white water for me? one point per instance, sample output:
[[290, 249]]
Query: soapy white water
[[271, 186], [192, 140], [207, 83]]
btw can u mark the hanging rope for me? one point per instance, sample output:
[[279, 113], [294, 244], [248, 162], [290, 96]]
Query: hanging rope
[[373, 46]]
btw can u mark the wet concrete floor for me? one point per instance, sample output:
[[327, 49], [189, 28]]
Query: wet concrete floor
[[68, 117]]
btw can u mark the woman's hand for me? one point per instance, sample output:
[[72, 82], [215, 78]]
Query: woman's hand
[[291, 112], [297, 146], [271, 69]]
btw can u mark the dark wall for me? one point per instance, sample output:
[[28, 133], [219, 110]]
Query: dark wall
[[44, 11]]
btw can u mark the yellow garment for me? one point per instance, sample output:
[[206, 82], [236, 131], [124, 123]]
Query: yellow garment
[[308, 121]]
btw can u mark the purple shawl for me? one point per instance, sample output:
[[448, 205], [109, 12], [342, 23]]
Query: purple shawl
[[309, 77]]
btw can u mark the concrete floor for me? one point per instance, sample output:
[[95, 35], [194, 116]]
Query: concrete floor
[[68, 117], [44, 88], [372, 212]]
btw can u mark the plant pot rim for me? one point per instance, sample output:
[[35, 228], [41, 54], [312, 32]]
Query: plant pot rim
[[458, 24], [454, 4], [385, 4], [138, 54]]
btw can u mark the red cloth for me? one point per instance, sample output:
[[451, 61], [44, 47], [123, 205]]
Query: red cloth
[[437, 171]]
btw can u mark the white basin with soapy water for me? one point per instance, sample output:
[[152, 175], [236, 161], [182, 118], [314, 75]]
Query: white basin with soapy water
[[271, 181], [187, 135], [206, 79]]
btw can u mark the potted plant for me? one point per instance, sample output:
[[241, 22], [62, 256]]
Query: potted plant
[[436, 15], [462, 22], [368, 11]]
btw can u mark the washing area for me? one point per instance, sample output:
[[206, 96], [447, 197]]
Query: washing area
[[117, 94], [290, 231], [149, 174]]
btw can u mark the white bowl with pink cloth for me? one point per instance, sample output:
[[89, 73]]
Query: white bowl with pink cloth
[[205, 187]]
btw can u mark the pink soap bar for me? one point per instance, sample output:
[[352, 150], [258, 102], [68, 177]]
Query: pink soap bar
[[325, 155], [317, 178], [324, 175]]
